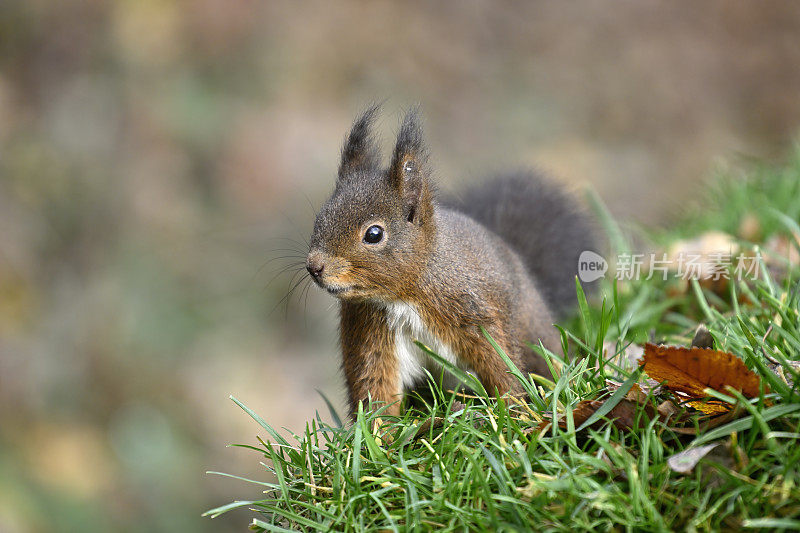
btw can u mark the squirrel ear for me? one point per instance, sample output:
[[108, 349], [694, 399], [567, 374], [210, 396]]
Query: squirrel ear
[[359, 151], [408, 172]]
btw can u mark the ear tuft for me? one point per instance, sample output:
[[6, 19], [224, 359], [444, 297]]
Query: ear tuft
[[408, 171], [409, 152], [360, 151]]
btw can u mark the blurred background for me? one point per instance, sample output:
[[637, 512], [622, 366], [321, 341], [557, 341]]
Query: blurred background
[[158, 158]]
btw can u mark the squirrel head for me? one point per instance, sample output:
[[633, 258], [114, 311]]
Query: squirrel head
[[372, 237]]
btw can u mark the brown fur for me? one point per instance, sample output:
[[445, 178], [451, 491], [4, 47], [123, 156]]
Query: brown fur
[[457, 275], [366, 341]]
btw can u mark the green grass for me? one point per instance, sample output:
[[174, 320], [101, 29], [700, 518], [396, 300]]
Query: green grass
[[488, 468]]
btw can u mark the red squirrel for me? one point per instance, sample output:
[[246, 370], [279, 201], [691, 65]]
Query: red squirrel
[[406, 267]]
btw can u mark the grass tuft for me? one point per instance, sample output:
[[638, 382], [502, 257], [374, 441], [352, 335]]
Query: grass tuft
[[489, 466]]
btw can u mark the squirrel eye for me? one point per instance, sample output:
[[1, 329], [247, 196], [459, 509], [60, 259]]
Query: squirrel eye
[[373, 235]]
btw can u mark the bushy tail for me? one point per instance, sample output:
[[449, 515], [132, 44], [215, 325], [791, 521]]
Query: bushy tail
[[543, 223]]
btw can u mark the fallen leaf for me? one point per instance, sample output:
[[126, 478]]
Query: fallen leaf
[[636, 394], [685, 461], [581, 412], [709, 423], [666, 409], [692, 370], [436, 422], [710, 407], [623, 414], [424, 428]]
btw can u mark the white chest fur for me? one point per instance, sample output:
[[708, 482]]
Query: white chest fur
[[412, 361]]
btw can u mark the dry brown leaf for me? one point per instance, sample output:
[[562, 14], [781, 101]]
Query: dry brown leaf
[[581, 413], [667, 409], [691, 370], [706, 405], [425, 427], [710, 407], [623, 414], [686, 373], [708, 423], [636, 394]]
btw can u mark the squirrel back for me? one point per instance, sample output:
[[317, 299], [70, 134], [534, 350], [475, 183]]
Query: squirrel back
[[539, 220], [406, 268]]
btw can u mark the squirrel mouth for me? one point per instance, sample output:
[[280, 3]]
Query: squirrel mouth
[[337, 290]]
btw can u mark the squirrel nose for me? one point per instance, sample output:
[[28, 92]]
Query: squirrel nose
[[315, 265]]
